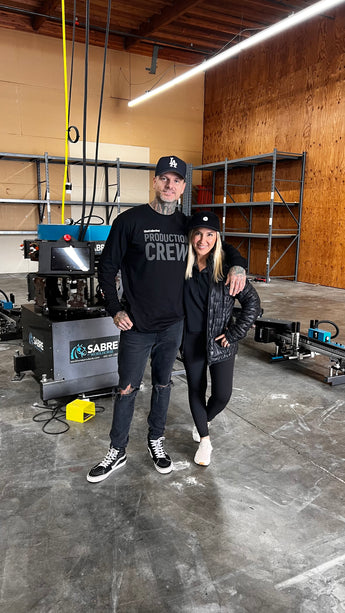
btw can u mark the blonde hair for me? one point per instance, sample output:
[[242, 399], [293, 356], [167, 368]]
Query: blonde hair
[[217, 253]]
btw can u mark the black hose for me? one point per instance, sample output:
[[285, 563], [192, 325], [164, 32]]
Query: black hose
[[86, 70], [3, 293], [101, 222], [99, 122], [75, 138], [326, 321]]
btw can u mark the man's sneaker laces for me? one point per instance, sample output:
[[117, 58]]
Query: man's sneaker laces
[[161, 459], [110, 457]]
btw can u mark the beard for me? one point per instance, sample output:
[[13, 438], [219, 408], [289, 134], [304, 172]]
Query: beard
[[166, 200]]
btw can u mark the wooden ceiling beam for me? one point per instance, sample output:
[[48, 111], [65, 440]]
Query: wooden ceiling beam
[[47, 8], [213, 29], [158, 21], [207, 42], [216, 17], [170, 53], [256, 6]]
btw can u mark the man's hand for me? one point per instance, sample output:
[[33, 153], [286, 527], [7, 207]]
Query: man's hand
[[236, 279], [122, 321]]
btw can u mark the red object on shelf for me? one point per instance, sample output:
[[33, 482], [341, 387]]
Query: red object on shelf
[[204, 195]]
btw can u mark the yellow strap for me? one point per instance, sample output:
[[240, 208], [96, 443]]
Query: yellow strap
[[66, 109]]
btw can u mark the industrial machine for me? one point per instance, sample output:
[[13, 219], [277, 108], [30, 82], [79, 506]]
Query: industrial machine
[[69, 342], [292, 345], [10, 318]]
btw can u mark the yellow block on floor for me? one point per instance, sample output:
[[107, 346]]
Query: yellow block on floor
[[80, 410]]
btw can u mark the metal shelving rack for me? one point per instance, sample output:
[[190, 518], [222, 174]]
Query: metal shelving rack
[[44, 202], [275, 200], [272, 203]]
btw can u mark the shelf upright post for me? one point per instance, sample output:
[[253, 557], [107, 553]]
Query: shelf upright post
[[225, 196], [187, 195], [190, 189], [251, 213], [213, 185], [39, 189], [301, 190], [118, 186], [46, 164], [270, 221], [106, 192]]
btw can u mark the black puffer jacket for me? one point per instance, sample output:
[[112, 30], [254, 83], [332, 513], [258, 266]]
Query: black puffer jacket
[[220, 320]]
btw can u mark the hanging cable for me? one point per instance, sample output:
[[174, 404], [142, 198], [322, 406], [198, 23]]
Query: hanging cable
[[72, 129], [82, 235], [66, 108], [100, 223], [86, 69], [72, 62]]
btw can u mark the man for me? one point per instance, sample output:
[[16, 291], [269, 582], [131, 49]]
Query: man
[[148, 243]]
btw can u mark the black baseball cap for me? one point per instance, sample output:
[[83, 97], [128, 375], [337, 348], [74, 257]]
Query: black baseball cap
[[204, 219], [171, 163]]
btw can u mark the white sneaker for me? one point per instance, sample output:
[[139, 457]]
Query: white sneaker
[[203, 454], [195, 433]]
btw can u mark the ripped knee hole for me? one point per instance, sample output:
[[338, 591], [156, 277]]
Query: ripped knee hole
[[128, 390], [159, 386]]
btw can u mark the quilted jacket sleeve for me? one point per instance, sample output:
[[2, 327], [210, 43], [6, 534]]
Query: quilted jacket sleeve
[[251, 309]]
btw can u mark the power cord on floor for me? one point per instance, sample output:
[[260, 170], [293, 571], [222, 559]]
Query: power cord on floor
[[99, 409], [55, 413]]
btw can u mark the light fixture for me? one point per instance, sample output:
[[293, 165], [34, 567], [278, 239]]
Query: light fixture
[[281, 26]]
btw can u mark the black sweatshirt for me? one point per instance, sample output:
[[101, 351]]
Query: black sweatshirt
[[150, 249]]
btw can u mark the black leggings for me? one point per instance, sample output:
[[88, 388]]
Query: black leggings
[[195, 362]]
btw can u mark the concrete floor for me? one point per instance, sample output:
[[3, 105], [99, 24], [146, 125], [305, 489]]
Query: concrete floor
[[261, 530]]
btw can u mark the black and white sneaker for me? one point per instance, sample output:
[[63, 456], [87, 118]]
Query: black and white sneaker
[[161, 459], [114, 459]]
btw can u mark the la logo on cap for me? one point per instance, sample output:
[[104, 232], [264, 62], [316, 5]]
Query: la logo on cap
[[205, 218], [173, 163]]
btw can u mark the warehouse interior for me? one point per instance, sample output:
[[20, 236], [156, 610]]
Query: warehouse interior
[[261, 528]]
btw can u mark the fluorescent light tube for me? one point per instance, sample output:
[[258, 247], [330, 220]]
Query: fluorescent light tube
[[283, 25]]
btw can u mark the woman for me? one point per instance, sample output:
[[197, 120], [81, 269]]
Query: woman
[[211, 333]]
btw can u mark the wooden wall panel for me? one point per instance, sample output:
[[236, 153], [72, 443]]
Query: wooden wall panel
[[290, 94]]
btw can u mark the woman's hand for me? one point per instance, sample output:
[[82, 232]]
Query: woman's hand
[[221, 340]]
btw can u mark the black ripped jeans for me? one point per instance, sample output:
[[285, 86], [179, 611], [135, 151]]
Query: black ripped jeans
[[134, 350], [221, 374]]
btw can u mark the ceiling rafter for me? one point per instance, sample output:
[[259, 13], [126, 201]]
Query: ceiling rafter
[[166, 16], [200, 15], [214, 30], [47, 8]]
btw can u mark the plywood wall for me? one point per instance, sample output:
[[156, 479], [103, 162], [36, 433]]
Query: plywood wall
[[290, 94]]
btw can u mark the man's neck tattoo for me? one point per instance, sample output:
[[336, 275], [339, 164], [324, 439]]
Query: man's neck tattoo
[[164, 208]]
